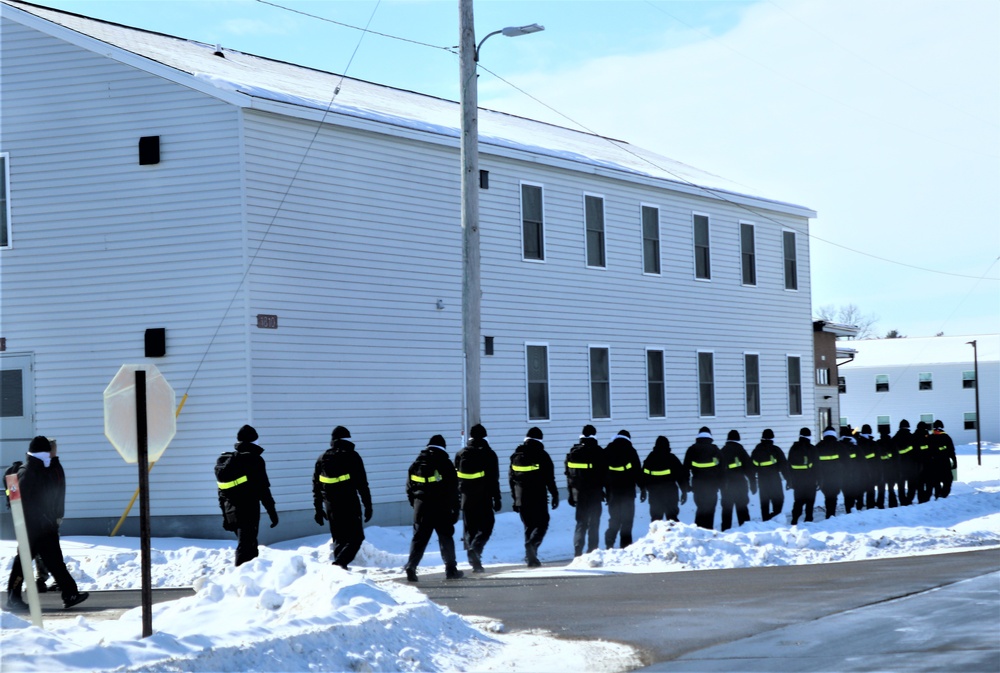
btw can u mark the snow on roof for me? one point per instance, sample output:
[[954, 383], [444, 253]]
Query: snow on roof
[[311, 89], [924, 350]]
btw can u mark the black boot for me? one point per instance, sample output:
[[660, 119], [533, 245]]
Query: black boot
[[453, 573], [531, 556], [14, 603], [411, 574], [475, 560], [75, 599]]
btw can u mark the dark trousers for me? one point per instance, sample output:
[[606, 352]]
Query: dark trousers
[[942, 484], [663, 502], [925, 483], [432, 517], [909, 473], [247, 525], [830, 500], [734, 496], [621, 514], [805, 499], [772, 497], [478, 521], [45, 547], [706, 497], [588, 522], [347, 532], [535, 518], [886, 484]]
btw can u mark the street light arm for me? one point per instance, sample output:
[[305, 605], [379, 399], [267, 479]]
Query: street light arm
[[480, 45], [509, 31]]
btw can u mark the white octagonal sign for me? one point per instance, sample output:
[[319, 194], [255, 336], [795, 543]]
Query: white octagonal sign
[[119, 413]]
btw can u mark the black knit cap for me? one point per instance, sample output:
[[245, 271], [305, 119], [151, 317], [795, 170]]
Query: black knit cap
[[437, 440], [767, 434], [704, 429], [247, 434], [534, 433], [588, 431], [340, 432], [39, 445], [904, 423], [921, 426], [477, 432], [805, 432], [733, 436], [662, 443], [939, 424], [625, 433], [866, 429]]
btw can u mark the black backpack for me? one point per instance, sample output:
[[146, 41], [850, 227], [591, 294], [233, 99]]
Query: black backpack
[[231, 470], [335, 464], [582, 477], [524, 469], [426, 479], [471, 461], [13, 469]]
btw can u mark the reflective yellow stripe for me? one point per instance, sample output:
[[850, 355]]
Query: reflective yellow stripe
[[853, 455], [579, 466], [906, 450], [887, 456], [870, 456], [656, 473], [924, 447], [715, 461], [833, 457], [424, 480], [334, 480], [525, 468], [628, 466], [470, 475], [766, 463], [802, 467], [230, 484], [734, 465]]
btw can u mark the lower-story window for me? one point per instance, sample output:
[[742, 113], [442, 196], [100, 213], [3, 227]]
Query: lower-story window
[[971, 422]]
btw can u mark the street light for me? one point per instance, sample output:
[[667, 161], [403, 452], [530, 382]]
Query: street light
[[468, 52], [975, 373]]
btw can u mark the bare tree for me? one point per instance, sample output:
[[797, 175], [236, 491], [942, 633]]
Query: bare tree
[[894, 334], [850, 314]]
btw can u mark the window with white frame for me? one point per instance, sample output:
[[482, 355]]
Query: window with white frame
[[702, 248], [600, 382], [791, 260], [844, 422], [594, 216], [881, 383], [924, 381], [4, 200], [650, 240], [706, 383], [751, 377], [532, 222], [970, 421], [928, 419], [748, 256], [969, 379], [884, 424], [656, 384], [537, 361], [794, 385], [841, 385], [822, 376]]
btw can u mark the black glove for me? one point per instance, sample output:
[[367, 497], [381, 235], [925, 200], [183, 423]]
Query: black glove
[[555, 500], [684, 497], [497, 503], [753, 489], [226, 525], [454, 516], [571, 500], [320, 517], [516, 507], [368, 514], [274, 518], [642, 495]]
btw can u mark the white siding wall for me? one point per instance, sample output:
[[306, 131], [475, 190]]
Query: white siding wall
[[104, 248]]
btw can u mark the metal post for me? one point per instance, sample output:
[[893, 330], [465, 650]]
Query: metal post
[[471, 288], [23, 547], [142, 446], [975, 372]]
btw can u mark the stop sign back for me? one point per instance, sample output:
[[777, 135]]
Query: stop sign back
[[120, 418]]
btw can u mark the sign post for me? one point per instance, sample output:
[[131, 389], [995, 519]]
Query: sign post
[[139, 421], [24, 548]]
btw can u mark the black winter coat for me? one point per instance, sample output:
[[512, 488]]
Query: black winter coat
[[802, 469], [587, 479], [330, 488], [769, 461], [478, 457], [432, 479], [532, 475], [43, 495], [736, 465], [703, 461], [663, 469], [624, 470], [248, 496]]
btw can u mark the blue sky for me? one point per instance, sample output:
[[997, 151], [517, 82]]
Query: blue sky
[[882, 115]]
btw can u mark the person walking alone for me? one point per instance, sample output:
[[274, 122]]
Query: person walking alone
[[340, 490], [478, 474], [532, 481]]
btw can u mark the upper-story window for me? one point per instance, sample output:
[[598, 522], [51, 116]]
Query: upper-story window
[[655, 384], [928, 419], [706, 384], [791, 260], [702, 248], [4, 201], [748, 254], [925, 381], [794, 385], [822, 376], [532, 222], [751, 377], [594, 216], [600, 382], [650, 239], [841, 385], [969, 379], [881, 383]]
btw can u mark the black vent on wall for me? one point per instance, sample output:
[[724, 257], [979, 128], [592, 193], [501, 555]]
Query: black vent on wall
[[149, 150], [156, 342]]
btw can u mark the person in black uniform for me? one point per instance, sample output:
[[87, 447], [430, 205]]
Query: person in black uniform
[[868, 450], [339, 480], [802, 476], [241, 498], [703, 462], [663, 474], [42, 484], [943, 462], [889, 473], [478, 472], [532, 480], [850, 472], [830, 461], [738, 476], [770, 464], [925, 458], [585, 470], [909, 464], [432, 489], [624, 474]]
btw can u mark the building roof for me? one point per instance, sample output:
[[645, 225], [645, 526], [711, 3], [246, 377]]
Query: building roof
[[924, 351], [257, 82]]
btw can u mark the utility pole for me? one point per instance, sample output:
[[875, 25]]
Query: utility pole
[[975, 372]]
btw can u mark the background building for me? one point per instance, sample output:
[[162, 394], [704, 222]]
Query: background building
[[829, 355]]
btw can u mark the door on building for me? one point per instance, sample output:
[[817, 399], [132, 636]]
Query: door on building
[[825, 418], [17, 417]]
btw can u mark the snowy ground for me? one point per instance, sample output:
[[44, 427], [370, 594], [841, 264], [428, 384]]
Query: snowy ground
[[290, 610]]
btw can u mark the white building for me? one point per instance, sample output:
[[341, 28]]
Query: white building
[[924, 379], [301, 248]]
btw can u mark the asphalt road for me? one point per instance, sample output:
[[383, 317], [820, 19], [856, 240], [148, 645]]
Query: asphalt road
[[104, 604], [673, 615]]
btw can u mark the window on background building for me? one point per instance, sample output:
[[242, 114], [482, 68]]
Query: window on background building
[[883, 424], [969, 379], [928, 419], [706, 384], [751, 375], [924, 381], [532, 225], [823, 376], [794, 385], [882, 383], [656, 384], [4, 202], [791, 261], [594, 215], [11, 393], [844, 423], [970, 421], [748, 254], [702, 253], [538, 382], [841, 385], [650, 240], [825, 414], [600, 383]]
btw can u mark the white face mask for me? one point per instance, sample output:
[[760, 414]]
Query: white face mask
[[43, 456]]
